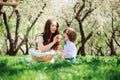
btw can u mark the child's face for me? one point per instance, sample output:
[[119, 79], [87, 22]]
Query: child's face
[[65, 36]]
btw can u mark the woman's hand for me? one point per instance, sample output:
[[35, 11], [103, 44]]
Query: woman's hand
[[57, 38]]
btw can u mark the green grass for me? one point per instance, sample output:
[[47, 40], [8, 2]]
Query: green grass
[[85, 68]]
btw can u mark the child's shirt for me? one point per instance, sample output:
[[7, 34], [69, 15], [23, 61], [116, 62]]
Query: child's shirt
[[70, 48]]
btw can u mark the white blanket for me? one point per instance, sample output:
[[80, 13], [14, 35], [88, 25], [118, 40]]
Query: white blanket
[[32, 51]]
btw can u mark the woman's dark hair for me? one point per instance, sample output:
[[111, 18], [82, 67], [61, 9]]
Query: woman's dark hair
[[47, 35]]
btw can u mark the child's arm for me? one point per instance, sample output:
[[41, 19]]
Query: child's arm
[[62, 55], [67, 56]]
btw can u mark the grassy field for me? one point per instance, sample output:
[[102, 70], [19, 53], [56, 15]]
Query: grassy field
[[85, 68]]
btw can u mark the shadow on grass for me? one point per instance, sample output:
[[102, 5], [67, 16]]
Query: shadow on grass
[[15, 68], [59, 64]]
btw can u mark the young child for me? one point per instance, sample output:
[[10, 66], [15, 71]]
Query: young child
[[70, 51]]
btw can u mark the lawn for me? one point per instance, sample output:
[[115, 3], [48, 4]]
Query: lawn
[[85, 68]]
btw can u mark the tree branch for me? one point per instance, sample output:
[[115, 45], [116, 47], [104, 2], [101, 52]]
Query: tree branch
[[22, 50], [68, 23], [88, 12], [80, 9], [17, 27], [8, 30], [76, 6], [11, 14], [88, 37], [1, 7], [116, 41], [8, 4]]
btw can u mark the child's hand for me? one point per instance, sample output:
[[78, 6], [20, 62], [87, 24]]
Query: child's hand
[[60, 56], [67, 56]]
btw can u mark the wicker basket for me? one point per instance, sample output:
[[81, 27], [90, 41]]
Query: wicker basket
[[43, 59]]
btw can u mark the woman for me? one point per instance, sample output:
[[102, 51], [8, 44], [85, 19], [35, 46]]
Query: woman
[[47, 40]]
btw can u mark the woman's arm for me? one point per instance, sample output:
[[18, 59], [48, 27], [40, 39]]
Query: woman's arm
[[44, 48], [47, 47]]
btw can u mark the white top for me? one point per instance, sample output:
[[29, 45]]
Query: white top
[[39, 38], [70, 48]]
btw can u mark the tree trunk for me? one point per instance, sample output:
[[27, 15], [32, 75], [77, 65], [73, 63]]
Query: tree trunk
[[112, 49], [111, 44], [82, 48], [11, 50], [80, 20]]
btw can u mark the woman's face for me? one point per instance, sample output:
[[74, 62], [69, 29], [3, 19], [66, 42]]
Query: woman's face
[[53, 27]]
